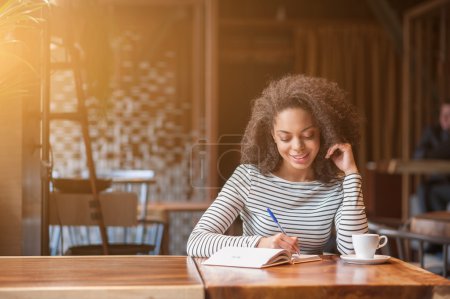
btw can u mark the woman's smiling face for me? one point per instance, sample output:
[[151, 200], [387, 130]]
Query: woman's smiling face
[[298, 142]]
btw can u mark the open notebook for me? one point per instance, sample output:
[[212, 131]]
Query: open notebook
[[256, 257]]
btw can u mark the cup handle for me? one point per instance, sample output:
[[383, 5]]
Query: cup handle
[[384, 242]]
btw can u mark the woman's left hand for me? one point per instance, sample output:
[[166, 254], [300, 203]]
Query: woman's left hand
[[342, 156]]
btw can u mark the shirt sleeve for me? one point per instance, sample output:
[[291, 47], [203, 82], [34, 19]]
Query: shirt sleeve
[[351, 216], [208, 236]]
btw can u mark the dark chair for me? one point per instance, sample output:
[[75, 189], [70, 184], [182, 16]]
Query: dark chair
[[409, 246], [119, 210]]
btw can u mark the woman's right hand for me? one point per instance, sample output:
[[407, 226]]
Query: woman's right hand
[[280, 241]]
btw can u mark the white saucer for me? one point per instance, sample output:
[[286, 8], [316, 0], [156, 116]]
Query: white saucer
[[377, 259]]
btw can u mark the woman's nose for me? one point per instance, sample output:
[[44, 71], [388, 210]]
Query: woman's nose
[[298, 144]]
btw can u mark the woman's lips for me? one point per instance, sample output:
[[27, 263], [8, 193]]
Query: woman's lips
[[300, 158]]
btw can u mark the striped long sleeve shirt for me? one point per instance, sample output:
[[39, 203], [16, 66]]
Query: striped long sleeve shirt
[[306, 210]]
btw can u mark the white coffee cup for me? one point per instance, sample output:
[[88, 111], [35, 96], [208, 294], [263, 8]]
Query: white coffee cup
[[365, 245]]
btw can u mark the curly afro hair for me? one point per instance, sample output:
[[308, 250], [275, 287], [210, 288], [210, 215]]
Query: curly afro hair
[[334, 116]]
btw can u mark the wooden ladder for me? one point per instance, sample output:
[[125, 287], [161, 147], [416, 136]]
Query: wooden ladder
[[81, 116]]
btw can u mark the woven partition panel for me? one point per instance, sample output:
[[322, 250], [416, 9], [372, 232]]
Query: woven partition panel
[[147, 121]]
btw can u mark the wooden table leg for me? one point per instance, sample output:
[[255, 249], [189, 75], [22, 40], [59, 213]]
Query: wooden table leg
[[166, 235]]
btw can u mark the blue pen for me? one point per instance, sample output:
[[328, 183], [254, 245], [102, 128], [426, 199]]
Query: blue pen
[[277, 223]]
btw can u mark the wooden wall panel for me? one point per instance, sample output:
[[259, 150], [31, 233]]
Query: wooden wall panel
[[10, 176], [354, 54]]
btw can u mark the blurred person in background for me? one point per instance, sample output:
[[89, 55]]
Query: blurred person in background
[[434, 193]]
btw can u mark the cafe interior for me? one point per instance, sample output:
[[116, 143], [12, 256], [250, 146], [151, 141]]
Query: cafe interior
[[121, 120]]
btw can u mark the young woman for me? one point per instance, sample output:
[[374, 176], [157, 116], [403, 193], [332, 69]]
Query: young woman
[[297, 160]]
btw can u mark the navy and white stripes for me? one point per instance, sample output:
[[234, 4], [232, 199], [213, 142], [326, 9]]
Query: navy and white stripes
[[304, 209]]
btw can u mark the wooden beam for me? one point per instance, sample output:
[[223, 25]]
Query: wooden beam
[[424, 8], [211, 91], [151, 2], [389, 20], [406, 94], [45, 136]]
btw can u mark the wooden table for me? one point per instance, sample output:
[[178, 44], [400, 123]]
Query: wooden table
[[329, 278], [412, 166], [130, 277], [162, 210], [135, 277], [435, 224], [408, 168]]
